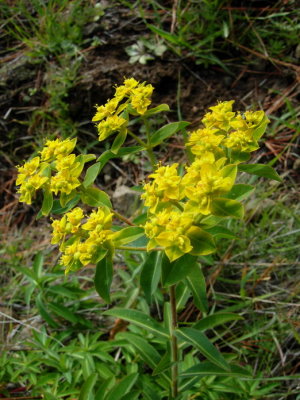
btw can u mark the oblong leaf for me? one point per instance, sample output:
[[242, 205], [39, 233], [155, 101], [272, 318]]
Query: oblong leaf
[[91, 174], [95, 197], [140, 319], [158, 109], [167, 131], [87, 388], [197, 284], [206, 368], [119, 140], [103, 278], [173, 272], [260, 170], [47, 202], [223, 207], [122, 387], [239, 191], [202, 344], [146, 351], [150, 274], [127, 235], [203, 243], [211, 321]]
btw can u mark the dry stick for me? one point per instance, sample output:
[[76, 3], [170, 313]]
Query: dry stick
[[296, 68], [174, 342]]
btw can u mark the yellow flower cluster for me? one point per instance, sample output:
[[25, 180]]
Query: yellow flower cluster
[[165, 187], [83, 243], [168, 229], [177, 203], [111, 117], [225, 129], [54, 158]]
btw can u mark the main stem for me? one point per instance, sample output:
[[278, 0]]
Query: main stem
[[174, 342]]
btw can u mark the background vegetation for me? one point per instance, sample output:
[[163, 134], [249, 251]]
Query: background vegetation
[[60, 58]]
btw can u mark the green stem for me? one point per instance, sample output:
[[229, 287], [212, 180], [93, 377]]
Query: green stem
[[150, 151], [141, 142], [138, 248], [174, 342], [147, 147], [122, 218]]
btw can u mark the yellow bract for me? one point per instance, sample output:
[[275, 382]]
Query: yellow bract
[[167, 229], [111, 117], [165, 187], [177, 203], [82, 243], [38, 172]]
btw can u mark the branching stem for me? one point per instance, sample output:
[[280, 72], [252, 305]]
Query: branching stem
[[174, 342]]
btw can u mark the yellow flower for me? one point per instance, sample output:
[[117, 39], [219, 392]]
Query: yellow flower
[[241, 140], [29, 184], [29, 168], [110, 125], [167, 229], [60, 229], [166, 186], [141, 98], [220, 117], [107, 110], [64, 182], [67, 162], [56, 148], [212, 183], [102, 218], [205, 140]]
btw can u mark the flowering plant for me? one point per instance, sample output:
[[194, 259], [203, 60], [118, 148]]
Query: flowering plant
[[184, 205]]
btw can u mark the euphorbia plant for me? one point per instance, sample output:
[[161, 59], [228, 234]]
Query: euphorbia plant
[[185, 207]]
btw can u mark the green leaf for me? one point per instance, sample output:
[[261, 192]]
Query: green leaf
[[124, 151], [197, 284], [150, 274], [260, 170], [227, 208], [106, 156], [58, 209], [164, 364], [239, 191], [214, 320], [260, 130], [44, 313], [91, 174], [168, 36], [167, 131], [119, 140], [173, 272], [203, 243], [202, 344], [38, 265], [145, 350], [122, 387], [47, 202], [127, 235], [221, 232], [103, 278], [87, 388], [138, 318], [95, 197], [64, 312], [158, 109], [206, 368]]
